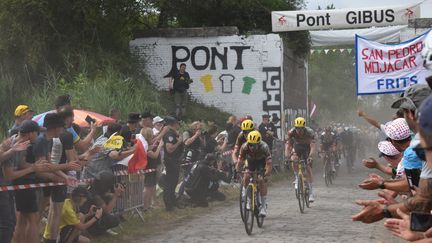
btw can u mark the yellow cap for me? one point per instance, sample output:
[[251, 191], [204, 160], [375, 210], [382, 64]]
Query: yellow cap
[[21, 109]]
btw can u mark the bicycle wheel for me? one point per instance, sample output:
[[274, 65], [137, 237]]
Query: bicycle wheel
[[248, 213], [259, 219], [241, 199], [301, 199], [330, 173], [326, 172], [306, 193]]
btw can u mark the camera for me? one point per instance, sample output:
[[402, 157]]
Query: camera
[[96, 209], [90, 119]]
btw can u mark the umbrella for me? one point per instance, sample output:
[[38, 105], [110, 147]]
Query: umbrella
[[79, 118]]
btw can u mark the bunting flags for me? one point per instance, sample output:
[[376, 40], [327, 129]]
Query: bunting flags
[[327, 51]]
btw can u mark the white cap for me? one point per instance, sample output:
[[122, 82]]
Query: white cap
[[387, 148], [157, 119], [397, 129]]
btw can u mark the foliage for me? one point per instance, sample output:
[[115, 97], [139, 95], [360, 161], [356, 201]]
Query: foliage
[[247, 15], [332, 85]]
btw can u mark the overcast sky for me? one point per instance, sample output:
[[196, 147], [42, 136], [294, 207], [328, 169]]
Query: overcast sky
[[426, 7]]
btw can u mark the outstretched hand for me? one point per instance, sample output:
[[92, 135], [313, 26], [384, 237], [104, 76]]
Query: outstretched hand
[[401, 227], [372, 211]]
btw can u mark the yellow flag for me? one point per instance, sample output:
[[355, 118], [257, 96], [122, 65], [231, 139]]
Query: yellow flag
[[114, 142]]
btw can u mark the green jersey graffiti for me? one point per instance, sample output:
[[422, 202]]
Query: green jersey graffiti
[[247, 86]]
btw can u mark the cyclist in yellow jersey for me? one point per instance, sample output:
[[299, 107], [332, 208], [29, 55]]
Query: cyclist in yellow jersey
[[258, 156]]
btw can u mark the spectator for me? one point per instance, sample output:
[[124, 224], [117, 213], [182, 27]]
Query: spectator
[[21, 170], [213, 141], [72, 222], [104, 195], [233, 130], [194, 141], [157, 125], [146, 120], [22, 113], [131, 128], [268, 131], [115, 114], [64, 155], [103, 160], [200, 184], [154, 160], [12, 152], [392, 156], [62, 103], [401, 227], [373, 210], [180, 81], [173, 146]]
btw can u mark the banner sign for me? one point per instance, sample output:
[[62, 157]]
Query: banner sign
[[385, 68], [343, 18]]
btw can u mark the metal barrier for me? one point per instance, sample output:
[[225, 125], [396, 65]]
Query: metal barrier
[[133, 197]]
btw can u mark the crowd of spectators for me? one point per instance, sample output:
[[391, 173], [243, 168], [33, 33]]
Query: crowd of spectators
[[56, 149], [404, 194]]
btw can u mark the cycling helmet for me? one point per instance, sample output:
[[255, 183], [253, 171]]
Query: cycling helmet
[[254, 137], [427, 51], [247, 125], [299, 122]]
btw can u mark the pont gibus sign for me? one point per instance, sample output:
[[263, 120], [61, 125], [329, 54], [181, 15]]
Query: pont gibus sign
[[343, 18]]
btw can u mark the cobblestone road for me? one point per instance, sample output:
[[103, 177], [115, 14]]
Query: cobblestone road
[[328, 220]]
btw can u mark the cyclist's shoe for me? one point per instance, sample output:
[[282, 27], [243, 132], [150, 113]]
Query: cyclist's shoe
[[311, 198], [295, 182], [263, 211], [243, 192]]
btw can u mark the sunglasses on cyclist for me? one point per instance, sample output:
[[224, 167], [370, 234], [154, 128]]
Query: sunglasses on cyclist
[[252, 146]]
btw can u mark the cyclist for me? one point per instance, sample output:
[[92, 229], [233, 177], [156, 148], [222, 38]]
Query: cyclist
[[246, 126], [257, 154], [301, 140], [329, 145]]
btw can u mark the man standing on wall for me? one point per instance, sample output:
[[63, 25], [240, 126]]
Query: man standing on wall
[[179, 84]]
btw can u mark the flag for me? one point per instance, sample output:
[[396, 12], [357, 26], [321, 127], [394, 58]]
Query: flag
[[139, 160], [114, 142], [312, 109]]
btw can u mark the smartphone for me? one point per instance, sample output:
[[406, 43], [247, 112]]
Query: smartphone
[[413, 177], [421, 221], [90, 120]]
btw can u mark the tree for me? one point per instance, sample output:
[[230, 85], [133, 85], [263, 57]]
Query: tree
[[247, 15]]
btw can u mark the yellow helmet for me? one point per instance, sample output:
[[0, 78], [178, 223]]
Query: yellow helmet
[[299, 122], [247, 125], [254, 137]]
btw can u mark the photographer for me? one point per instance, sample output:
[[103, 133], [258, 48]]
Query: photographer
[[104, 195], [179, 84], [72, 222], [203, 181]]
